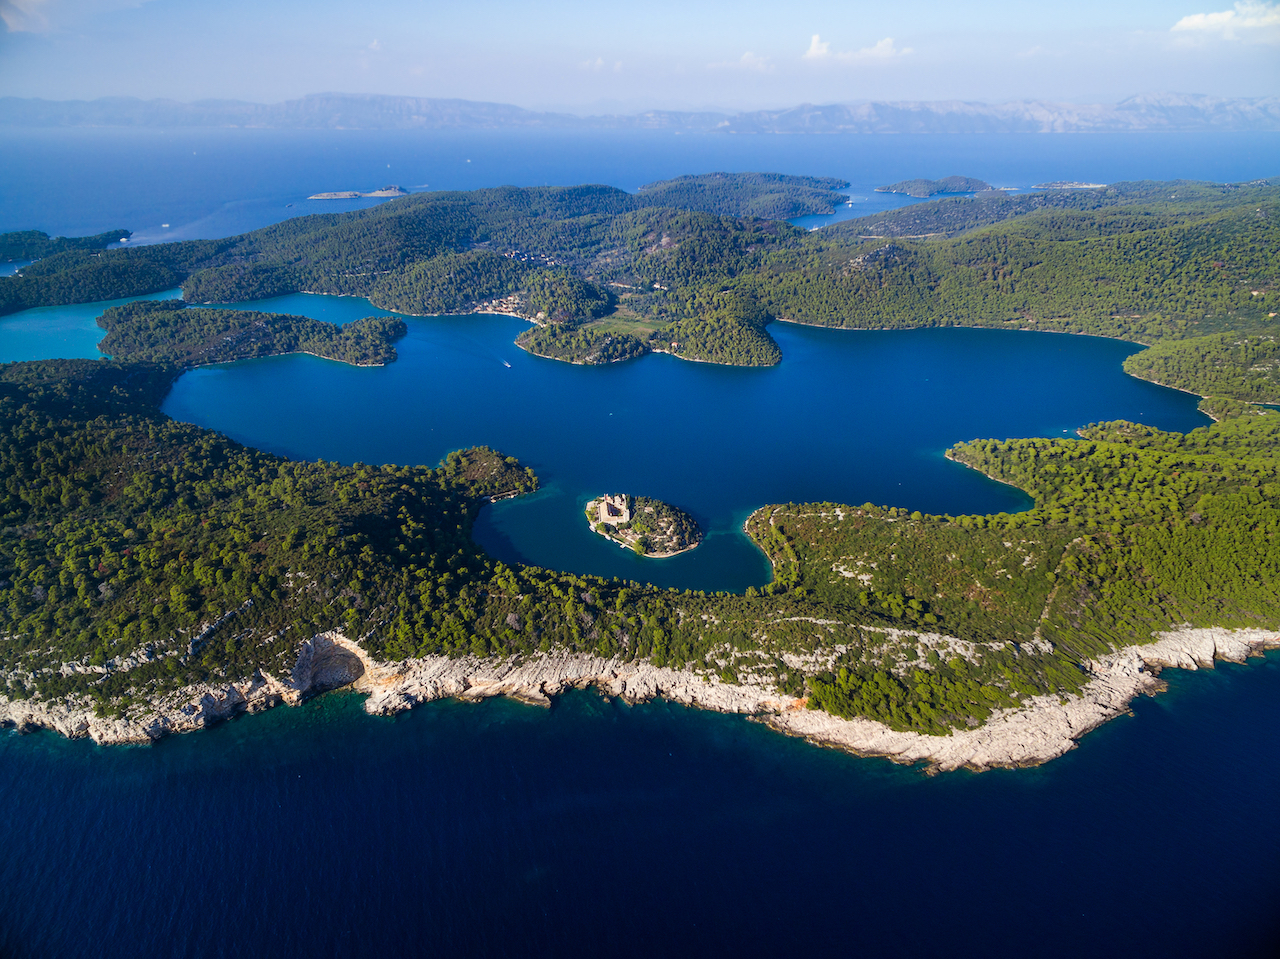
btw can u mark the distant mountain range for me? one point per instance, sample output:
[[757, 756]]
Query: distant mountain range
[[344, 111]]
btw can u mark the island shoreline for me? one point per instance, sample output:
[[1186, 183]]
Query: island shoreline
[[624, 544]]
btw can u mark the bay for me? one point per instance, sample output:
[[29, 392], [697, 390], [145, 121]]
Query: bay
[[60, 332]]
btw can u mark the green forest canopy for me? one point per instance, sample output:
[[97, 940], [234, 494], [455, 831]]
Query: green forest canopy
[[770, 196], [34, 245], [165, 331], [125, 534], [1146, 261]]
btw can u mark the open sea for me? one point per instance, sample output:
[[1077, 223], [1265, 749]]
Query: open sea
[[499, 829]]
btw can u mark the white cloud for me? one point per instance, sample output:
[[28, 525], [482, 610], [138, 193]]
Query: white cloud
[[24, 15], [1251, 19], [882, 50], [748, 61], [598, 64], [41, 16], [818, 49], [375, 46]]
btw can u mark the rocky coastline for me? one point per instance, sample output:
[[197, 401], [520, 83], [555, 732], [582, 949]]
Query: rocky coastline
[[386, 191], [1042, 729]]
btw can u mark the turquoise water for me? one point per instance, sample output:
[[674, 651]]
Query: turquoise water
[[53, 332]]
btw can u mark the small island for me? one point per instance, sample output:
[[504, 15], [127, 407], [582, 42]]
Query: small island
[[650, 527], [923, 189], [386, 191], [1068, 185]]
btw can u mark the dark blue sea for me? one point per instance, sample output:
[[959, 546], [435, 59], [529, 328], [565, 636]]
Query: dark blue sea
[[594, 827]]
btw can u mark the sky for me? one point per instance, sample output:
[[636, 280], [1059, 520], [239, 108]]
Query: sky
[[627, 56]]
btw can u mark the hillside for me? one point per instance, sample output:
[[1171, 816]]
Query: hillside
[[139, 556], [1146, 261], [770, 196]]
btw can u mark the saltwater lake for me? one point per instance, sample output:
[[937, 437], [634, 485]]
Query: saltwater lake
[[501, 829], [848, 416]]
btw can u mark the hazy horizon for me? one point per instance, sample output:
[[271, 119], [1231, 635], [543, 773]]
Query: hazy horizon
[[617, 108], [578, 58]]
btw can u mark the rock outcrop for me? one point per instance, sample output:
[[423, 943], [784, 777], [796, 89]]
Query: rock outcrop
[[1041, 729]]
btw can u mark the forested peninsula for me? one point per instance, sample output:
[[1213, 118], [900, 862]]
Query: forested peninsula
[[769, 196], [156, 576], [165, 331], [34, 245]]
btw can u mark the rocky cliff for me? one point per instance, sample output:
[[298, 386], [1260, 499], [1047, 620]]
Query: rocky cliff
[[1041, 729]]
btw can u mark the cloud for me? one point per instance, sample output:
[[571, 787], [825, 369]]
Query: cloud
[[1249, 20], [883, 50], [748, 61], [24, 16], [374, 47], [43, 16], [818, 49]]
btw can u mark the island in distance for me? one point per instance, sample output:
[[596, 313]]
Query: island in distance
[[650, 527], [386, 191], [923, 189], [1068, 185]]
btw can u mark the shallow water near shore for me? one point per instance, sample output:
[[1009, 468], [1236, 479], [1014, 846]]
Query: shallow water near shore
[[60, 332], [502, 829]]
